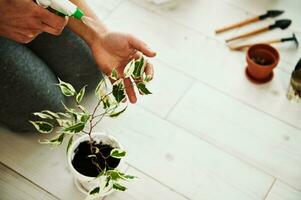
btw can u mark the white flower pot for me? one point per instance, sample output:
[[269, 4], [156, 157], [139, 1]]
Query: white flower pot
[[86, 183]]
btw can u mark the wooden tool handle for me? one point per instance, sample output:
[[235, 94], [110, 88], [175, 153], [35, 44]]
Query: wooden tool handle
[[249, 34], [240, 47], [239, 24]]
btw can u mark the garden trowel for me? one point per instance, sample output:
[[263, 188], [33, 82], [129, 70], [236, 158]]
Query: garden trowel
[[287, 39], [282, 24], [269, 13]]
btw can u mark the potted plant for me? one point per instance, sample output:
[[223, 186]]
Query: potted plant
[[294, 91], [95, 159], [261, 59]]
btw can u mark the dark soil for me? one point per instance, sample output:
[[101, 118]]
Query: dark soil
[[260, 61], [87, 165]]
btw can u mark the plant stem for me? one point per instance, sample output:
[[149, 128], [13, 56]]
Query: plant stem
[[93, 116]]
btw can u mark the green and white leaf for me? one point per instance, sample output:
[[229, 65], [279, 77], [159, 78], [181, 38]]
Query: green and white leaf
[[118, 91], [76, 128], [114, 174], [142, 89], [81, 94], [119, 187], [55, 115], [101, 89], [55, 141], [84, 118], [42, 115], [70, 110], [64, 122], [116, 114], [94, 194], [148, 78], [66, 115], [82, 108], [114, 74], [139, 68], [42, 127], [106, 102], [102, 173], [66, 88], [128, 177], [129, 69], [70, 142], [117, 153]]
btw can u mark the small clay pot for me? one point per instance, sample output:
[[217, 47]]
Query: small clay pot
[[261, 59]]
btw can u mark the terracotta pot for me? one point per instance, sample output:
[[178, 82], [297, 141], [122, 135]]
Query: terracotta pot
[[261, 59]]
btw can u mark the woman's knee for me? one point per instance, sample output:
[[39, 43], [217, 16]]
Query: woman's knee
[[27, 86], [69, 57]]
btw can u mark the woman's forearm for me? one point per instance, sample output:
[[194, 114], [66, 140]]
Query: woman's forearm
[[87, 32]]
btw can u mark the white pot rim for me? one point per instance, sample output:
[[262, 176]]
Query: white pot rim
[[98, 135]]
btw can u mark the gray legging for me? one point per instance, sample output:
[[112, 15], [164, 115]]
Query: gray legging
[[28, 74]]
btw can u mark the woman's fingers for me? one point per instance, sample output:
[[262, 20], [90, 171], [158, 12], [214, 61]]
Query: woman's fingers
[[149, 70], [52, 23], [141, 46], [49, 29], [53, 20], [130, 91]]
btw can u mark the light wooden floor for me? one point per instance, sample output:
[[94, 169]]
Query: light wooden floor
[[207, 133]]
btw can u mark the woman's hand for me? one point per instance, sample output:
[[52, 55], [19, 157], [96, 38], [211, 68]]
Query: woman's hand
[[114, 50], [23, 20]]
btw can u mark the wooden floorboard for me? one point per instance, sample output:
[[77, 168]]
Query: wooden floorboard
[[281, 191], [207, 132], [187, 51], [15, 186]]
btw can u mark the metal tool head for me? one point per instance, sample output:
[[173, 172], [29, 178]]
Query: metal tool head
[[282, 23], [274, 13], [293, 38], [271, 13], [297, 43]]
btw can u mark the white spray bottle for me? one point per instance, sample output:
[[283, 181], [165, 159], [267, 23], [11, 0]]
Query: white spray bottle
[[63, 7]]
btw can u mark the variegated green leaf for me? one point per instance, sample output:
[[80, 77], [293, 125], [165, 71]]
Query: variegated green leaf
[[50, 113], [69, 110], [42, 127], [126, 176], [69, 144], [117, 153], [55, 141], [129, 69], [66, 115], [76, 128], [106, 102], [43, 115], [114, 74], [101, 89], [114, 174], [95, 190], [80, 95], [64, 122], [142, 89], [118, 91], [84, 118], [139, 68], [117, 186], [82, 108], [116, 114], [148, 78], [66, 88]]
